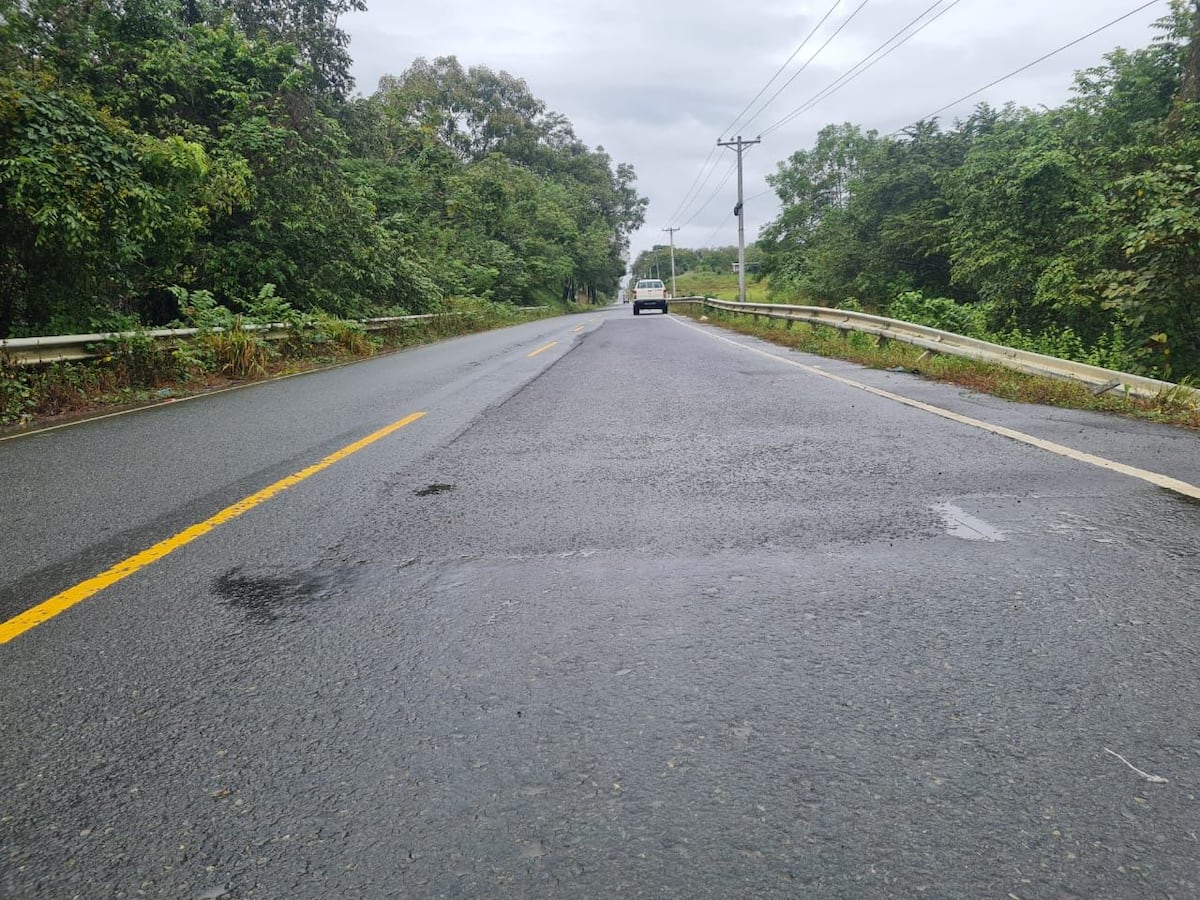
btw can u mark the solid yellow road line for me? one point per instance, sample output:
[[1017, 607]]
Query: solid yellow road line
[[543, 349], [1154, 478], [63, 601]]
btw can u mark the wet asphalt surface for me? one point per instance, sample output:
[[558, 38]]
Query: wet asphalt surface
[[644, 615]]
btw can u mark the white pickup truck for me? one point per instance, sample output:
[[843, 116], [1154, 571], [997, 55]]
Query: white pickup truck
[[649, 293]]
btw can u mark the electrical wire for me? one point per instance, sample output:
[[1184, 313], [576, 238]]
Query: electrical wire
[[708, 240], [694, 191], [729, 128], [687, 197], [797, 73], [880, 53], [700, 188], [717, 190], [1040, 59], [713, 195], [860, 68]]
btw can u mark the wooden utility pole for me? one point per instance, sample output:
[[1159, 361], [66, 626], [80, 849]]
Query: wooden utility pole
[[671, 232], [739, 145]]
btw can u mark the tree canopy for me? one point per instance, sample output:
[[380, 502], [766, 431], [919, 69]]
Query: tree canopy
[[149, 146]]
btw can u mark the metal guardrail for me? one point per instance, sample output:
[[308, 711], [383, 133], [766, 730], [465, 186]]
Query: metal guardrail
[[1099, 379], [34, 351]]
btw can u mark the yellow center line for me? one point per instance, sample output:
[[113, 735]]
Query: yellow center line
[[543, 349], [578, 328], [63, 601], [1155, 478]]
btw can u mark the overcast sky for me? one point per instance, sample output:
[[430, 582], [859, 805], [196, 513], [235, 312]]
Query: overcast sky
[[658, 82]]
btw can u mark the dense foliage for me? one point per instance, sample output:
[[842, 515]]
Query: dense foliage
[[1084, 218], [149, 147]]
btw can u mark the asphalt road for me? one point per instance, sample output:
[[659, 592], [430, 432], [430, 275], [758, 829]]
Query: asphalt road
[[647, 613]]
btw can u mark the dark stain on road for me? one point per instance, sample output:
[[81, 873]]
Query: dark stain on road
[[269, 599], [434, 489]]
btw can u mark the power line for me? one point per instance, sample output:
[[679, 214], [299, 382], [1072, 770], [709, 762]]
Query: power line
[[724, 224], [700, 189], [865, 64], [671, 232], [713, 195], [858, 69], [713, 234], [687, 197], [1040, 59], [798, 72], [729, 128], [880, 53], [697, 186]]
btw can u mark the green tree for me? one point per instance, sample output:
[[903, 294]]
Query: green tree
[[482, 139], [1019, 200], [311, 26], [812, 247], [1157, 284], [90, 208], [152, 147]]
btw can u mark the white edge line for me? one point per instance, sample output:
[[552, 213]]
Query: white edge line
[[1154, 478]]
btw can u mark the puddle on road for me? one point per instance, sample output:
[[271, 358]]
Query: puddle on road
[[268, 599], [960, 524]]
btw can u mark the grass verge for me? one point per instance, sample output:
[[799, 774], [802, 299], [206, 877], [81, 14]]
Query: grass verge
[[720, 286], [998, 381]]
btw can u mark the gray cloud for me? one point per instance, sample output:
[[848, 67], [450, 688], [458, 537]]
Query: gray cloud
[[658, 84]]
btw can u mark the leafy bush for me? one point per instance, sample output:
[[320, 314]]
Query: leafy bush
[[200, 309], [62, 386], [1110, 351], [17, 398], [137, 359], [938, 312], [265, 308]]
